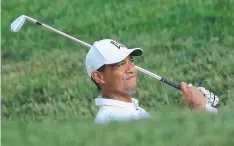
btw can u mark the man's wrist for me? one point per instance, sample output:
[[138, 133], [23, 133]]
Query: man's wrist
[[200, 107]]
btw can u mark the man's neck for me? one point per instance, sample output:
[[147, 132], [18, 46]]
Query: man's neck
[[117, 96]]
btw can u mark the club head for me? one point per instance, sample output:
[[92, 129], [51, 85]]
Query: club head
[[17, 23]]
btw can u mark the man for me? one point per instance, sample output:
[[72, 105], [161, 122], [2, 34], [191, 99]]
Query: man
[[111, 67]]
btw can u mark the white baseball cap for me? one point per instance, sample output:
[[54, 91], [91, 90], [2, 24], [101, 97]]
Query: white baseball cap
[[107, 51]]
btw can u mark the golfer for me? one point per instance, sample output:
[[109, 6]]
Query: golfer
[[110, 65]]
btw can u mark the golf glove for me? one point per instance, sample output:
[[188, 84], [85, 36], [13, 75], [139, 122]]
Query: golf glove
[[212, 101]]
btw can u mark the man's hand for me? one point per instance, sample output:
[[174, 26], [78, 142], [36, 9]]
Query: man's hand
[[199, 99], [194, 98], [212, 101]]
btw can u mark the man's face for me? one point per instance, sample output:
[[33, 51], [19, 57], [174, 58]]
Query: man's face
[[120, 77]]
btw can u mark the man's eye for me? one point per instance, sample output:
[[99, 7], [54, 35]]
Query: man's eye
[[132, 60], [120, 64]]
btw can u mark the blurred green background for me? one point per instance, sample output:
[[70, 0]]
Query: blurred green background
[[45, 87]]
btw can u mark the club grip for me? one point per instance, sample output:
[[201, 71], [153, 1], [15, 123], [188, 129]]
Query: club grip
[[173, 84]]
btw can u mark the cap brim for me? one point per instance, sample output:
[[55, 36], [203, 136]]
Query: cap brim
[[131, 52], [136, 52]]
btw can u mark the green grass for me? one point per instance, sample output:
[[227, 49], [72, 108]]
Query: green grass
[[44, 76], [167, 128]]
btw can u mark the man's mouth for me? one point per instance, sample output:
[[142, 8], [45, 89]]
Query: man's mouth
[[131, 77]]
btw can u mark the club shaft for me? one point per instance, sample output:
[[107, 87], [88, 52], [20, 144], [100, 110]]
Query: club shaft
[[148, 73], [165, 80], [59, 32]]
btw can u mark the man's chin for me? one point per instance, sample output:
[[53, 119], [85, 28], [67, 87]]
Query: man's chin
[[132, 92]]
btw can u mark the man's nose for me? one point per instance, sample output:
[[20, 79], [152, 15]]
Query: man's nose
[[130, 67]]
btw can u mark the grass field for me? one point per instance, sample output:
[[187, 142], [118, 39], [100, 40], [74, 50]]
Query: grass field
[[45, 87], [167, 128]]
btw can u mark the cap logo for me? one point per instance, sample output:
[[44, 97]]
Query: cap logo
[[117, 44]]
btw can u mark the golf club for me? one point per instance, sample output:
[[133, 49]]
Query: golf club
[[17, 24]]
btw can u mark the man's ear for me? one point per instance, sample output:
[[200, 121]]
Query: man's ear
[[98, 77]]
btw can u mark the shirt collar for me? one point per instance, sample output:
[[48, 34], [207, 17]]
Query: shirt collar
[[112, 102]]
